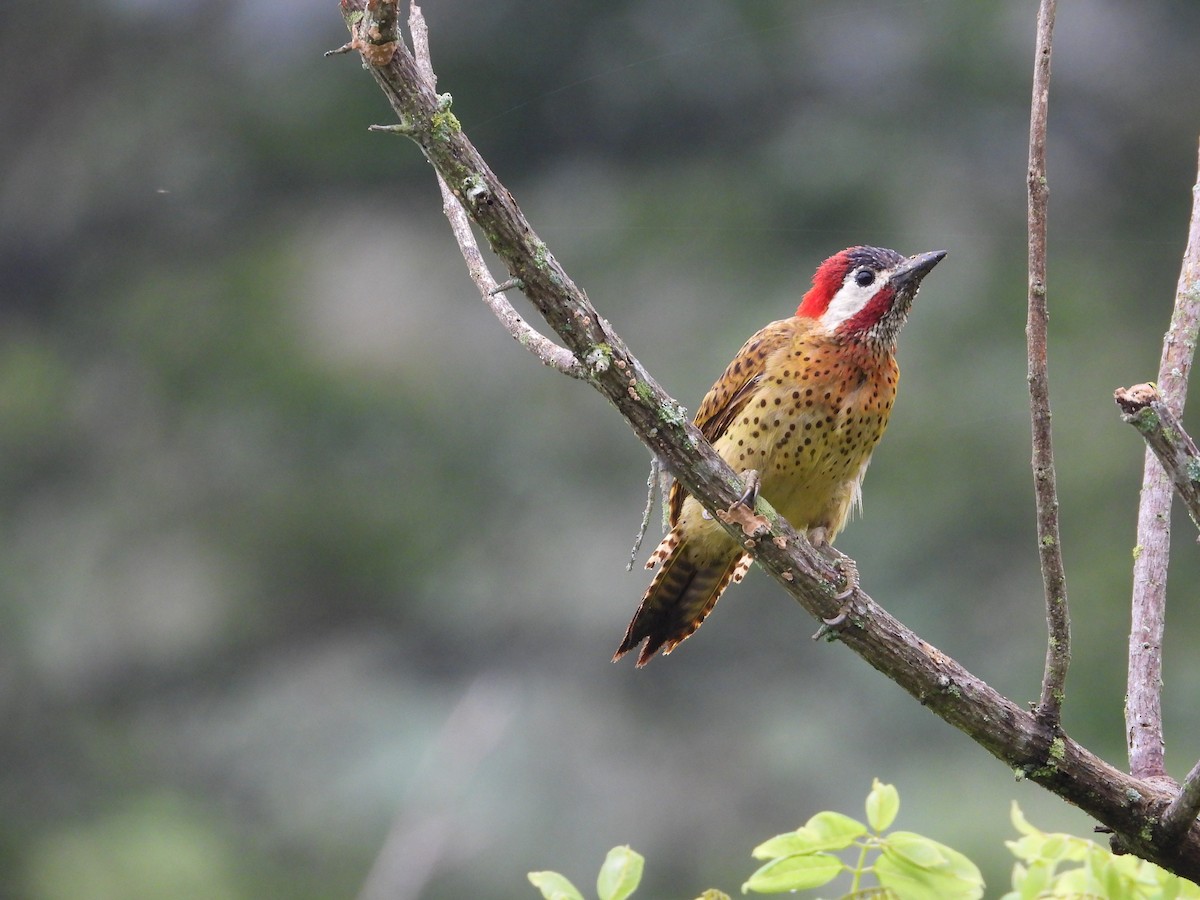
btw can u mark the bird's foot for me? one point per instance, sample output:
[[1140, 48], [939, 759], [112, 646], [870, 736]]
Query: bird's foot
[[753, 482], [848, 569]]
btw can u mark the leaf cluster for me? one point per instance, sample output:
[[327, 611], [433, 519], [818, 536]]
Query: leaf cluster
[[902, 865], [1043, 869]]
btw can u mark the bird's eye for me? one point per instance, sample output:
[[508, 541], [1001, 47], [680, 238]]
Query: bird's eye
[[864, 277]]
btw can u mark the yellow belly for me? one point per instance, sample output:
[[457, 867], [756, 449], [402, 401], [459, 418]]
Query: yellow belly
[[809, 431]]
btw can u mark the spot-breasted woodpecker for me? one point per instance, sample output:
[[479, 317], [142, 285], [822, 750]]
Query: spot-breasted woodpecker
[[803, 405]]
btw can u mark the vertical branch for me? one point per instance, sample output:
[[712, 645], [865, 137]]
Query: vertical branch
[[1058, 648], [1143, 706]]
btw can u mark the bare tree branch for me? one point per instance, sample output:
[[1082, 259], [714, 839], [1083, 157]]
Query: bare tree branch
[[1143, 705], [1179, 816], [1143, 407], [548, 353], [1054, 578], [1026, 744]]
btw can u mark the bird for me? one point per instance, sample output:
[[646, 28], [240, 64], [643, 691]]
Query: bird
[[799, 411]]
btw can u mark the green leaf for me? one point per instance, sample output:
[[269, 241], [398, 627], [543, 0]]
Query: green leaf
[[1033, 880], [916, 866], [1080, 882], [1115, 885], [1019, 821], [554, 886], [794, 873], [916, 849], [824, 831], [1027, 849], [883, 803], [960, 866], [620, 874], [1054, 847], [1078, 849], [910, 882], [1174, 887], [1059, 847], [1182, 887], [834, 830], [789, 844]]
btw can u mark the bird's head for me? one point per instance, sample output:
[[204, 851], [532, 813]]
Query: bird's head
[[865, 293]]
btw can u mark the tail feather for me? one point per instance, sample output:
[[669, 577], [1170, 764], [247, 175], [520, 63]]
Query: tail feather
[[679, 598]]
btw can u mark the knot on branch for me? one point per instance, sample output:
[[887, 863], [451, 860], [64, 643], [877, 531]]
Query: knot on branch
[[375, 31], [1135, 399]]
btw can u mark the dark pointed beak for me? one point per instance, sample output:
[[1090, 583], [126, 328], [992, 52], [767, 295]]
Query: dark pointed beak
[[909, 275]]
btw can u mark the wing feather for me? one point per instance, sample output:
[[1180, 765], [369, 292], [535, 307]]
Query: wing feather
[[733, 390]]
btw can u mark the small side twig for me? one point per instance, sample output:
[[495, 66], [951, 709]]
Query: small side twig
[[653, 483], [1143, 705], [376, 34], [1142, 407], [1178, 817], [549, 353], [1054, 579]]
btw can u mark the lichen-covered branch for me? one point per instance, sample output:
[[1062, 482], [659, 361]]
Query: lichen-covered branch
[[1143, 407], [1023, 742], [1143, 705], [1054, 578]]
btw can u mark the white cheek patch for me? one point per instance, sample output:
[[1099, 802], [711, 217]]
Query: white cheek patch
[[849, 301]]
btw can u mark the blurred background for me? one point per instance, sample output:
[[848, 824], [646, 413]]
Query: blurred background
[[303, 559]]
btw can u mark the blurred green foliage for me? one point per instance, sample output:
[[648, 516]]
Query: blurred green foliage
[[902, 865], [303, 558]]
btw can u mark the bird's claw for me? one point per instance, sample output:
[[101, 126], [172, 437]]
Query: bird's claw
[[849, 572], [753, 481], [835, 622]]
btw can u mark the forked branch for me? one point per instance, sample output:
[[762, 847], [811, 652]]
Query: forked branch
[[551, 354]]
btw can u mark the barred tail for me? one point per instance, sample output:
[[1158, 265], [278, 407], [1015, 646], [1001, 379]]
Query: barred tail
[[679, 598]]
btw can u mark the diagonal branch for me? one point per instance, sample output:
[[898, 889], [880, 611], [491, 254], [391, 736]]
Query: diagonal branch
[[1054, 578], [1023, 742], [1143, 407], [1143, 705]]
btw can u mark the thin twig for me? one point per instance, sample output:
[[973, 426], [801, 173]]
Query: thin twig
[[549, 353], [652, 485], [1054, 578], [1143, 703], [1142, 407]]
